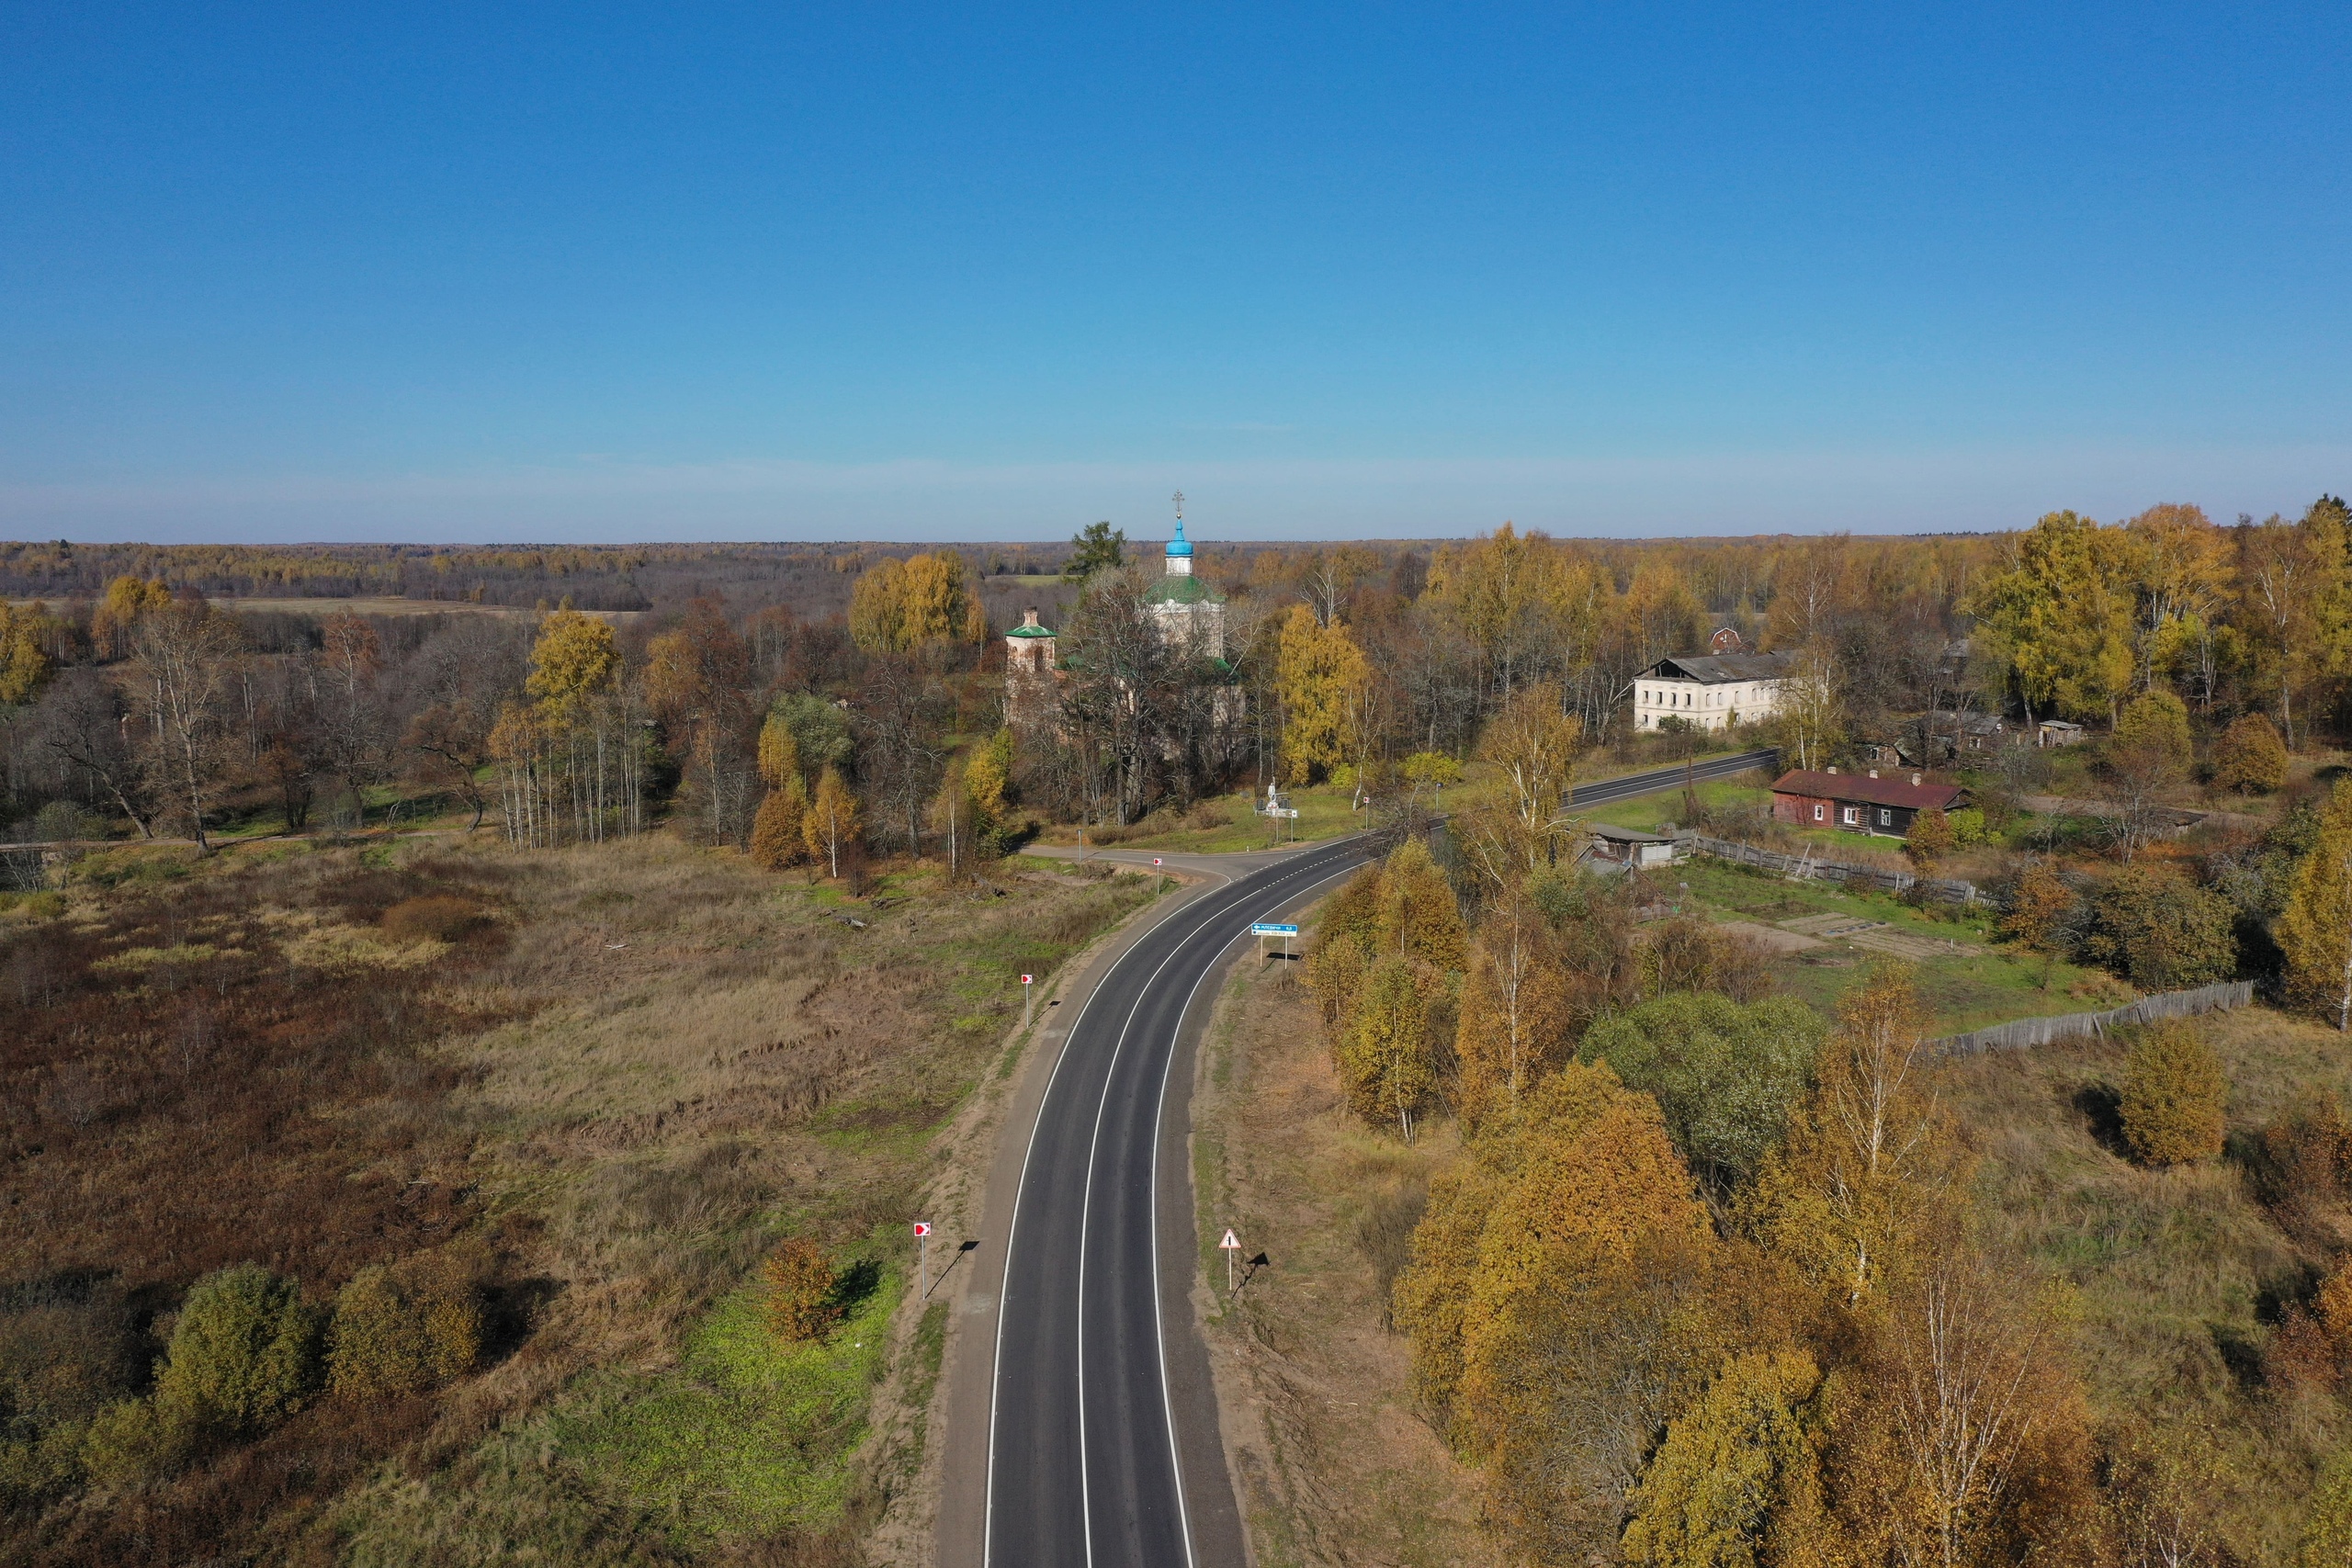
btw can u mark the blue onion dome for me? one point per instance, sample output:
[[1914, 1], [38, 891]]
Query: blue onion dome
[[1180, 545]]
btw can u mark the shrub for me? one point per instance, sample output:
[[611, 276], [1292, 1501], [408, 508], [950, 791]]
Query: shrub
[[2173, 1096], [2156, 722], [2307, 1153], [2162, 930], [803, 1291], [2327, 1530], [404, 1328], [244, 1354], [1930, 838], [2333, 1306], [136, 1438], [435, 917], [2250, 758], [1967, 825]]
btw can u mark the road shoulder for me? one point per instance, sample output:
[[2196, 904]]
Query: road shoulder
[[1330, 1461]]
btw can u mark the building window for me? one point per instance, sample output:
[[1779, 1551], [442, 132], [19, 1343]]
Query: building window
[[1886, 818], [1817, 810], [1851, 815]]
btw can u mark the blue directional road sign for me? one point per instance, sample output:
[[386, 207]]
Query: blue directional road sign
[[1262, 928]]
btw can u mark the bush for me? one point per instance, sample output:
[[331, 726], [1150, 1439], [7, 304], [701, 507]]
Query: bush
[[404, 1328], [1931, 839], [2250, 758], [1967, 825], [436, 916], [244, 1354], [1724, 1075], [2162, 931], [803, 1291], [135, 1438], [2327, 1530], [2156, 722], [2173, 1096], [62, 820]]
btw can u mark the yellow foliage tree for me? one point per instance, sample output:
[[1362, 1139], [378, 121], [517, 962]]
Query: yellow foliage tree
[[127, 599], [1316, 668], [2315, 929], [987, 775], [1387, 1059], [778, 841], [1738, 1475], [1419, 915], [898, 605], [1557, 1304], [1533, 745], [779, 753], [23, 666], [1515, 1010], [831, 823], [1861, 1186], [574, 659]]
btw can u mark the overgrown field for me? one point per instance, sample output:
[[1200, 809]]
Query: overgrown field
[[606, 1081]]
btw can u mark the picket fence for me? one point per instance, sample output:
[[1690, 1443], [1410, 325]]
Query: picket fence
[[1948, 891], [2031, 1032]]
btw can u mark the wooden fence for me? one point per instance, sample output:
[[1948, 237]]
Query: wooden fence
[[2030, 1031], [1811, 865]]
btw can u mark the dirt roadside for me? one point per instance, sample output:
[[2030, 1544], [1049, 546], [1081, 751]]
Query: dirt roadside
[[1330, 1460]]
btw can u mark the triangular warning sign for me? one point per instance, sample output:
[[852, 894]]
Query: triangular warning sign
[[1231, 1243]]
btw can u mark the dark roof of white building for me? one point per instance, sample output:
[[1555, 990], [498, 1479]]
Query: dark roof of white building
[[1720, 669]]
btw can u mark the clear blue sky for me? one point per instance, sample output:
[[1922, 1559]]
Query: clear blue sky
[[483, 272]]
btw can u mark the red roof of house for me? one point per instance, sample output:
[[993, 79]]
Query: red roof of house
[[1899, 791]]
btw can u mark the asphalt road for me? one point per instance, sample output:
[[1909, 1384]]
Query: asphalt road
[[1103, 1440], [1636, 785]]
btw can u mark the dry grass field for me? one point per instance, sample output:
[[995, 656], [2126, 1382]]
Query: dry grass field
[[623, 1073], [1331, 1461], [2177, 1280]]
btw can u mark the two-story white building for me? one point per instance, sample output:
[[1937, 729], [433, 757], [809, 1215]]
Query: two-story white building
[[1709, 690]]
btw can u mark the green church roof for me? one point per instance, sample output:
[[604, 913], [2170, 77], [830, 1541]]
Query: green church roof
[[1174, 590], [1029, 631]]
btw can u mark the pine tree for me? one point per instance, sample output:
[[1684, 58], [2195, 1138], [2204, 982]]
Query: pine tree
[[2173, 1096]]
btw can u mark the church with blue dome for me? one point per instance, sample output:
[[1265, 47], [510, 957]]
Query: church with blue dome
[[1189, 611]]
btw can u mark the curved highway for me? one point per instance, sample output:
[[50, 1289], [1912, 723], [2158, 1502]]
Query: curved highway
[[1103, 1440]]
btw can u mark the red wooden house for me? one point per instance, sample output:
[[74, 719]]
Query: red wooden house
[[1858, 803]]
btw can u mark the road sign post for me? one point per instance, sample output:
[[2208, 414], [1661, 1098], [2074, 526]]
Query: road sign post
[[1028, 983], [923, 1258], [1231, 1248], [1261, 930]]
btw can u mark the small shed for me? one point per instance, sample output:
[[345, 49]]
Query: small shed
[[1631, 846], [1858, 803], [2059, 732]]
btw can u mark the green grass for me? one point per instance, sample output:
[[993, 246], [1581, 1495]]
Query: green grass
[[746, 1436], [1325, 811], [1964, 990]]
